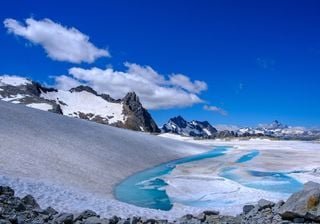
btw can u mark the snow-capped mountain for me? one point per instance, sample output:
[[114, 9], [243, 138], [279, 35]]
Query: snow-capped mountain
[[180, 126], [80, 102], [194, 128], [279, 130]]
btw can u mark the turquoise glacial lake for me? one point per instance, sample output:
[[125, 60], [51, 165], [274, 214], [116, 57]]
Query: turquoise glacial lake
[[147, 189]]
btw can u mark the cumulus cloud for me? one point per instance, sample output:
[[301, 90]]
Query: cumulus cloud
[[60, 43], [65, 82], [185, 83], [215, 109], [156, 91]]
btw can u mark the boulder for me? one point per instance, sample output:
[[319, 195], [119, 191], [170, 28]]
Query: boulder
[[7, 191], [85, 214], [247, 208], [95, 220], [189, 219], [51, 211], [30, 202], [64, 218], [263, 204], [303, 204]]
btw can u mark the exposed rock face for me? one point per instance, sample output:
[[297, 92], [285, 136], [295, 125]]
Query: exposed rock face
[[265, 212], [304, 204], [226, 134], [28, 94], [138, 118], [178, 125], [80, 102]]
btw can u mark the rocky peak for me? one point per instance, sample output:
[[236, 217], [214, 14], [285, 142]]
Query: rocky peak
[[130, 98], [108, 98], [179, 120], [138, 118], [84, 88], [24, 91], [276, 125], [179, 125], [125, 113], [132, 101]]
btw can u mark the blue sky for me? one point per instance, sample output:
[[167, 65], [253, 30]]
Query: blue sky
[[260, 60]]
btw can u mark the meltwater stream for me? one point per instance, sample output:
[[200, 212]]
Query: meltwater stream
[[147, 189]]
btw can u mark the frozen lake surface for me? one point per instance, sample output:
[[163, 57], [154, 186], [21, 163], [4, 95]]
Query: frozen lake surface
[[148, 188]]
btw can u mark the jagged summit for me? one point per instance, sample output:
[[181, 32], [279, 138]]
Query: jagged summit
[[138, 118], [84, 88], [80, 102], [180, 121], [277, 125], [179, 125]]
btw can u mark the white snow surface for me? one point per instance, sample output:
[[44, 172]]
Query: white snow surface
[[87, 103], [40, 106], [13, 98], [200, 181], [73, 164], [13, 80]]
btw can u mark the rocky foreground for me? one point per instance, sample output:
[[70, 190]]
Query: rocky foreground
[[301, 207]]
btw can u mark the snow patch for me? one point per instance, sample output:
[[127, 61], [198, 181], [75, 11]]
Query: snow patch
[[12, 98], [207, 131], [13, 80], [40, 106], [74, 103]]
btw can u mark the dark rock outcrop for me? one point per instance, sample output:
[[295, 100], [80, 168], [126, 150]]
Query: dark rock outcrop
[[178, 125], [301, 207], [29, 94], [138, 118], [304, 204]]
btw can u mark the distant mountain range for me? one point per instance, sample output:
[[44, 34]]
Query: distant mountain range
[[80, 102], [180, 126], [85, 103], [203, 129]]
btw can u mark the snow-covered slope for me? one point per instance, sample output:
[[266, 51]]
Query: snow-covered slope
[[80, 102], [179, 125], [70, 151], [74, 164], [13, 80]]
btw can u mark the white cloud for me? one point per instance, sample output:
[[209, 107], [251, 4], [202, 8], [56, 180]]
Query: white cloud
[[65, 82], [155, 91], [61, 43], [215, 109], [185, 83]]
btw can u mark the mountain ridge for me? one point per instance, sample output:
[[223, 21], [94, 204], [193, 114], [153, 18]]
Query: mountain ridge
[[203, 129], [179, 125], [80, 102]]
